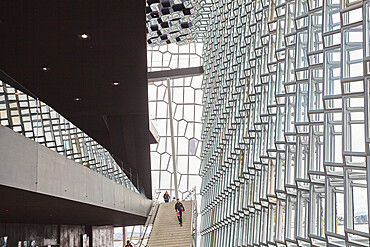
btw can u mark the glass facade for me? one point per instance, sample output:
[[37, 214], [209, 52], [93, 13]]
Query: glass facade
[[186, 115], [37, 121], [286, 123]]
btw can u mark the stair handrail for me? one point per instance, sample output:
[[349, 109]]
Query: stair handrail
[[194, 230], [149, 221]]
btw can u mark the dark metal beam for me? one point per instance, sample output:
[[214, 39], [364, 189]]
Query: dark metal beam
[[174, 73]]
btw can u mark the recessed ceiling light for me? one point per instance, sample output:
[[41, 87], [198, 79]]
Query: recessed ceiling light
[[77, 99], [115, 83], [45, 68], [84, 36]]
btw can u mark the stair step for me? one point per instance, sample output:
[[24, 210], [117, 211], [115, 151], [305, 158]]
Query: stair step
[[166, 230]]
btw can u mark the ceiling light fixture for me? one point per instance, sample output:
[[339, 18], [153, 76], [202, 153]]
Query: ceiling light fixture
[[77, 99], [45, 68], [115, 83], [84, 36]]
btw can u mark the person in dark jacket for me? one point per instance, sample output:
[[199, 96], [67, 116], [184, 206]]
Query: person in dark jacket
[[166, 197], [179, 208], [128, 244]]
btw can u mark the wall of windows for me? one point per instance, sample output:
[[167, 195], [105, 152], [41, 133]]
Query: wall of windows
[[186, 114], [286, 134], [39, 122]]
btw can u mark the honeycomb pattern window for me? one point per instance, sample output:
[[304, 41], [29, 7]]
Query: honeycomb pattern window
[[187, 96]]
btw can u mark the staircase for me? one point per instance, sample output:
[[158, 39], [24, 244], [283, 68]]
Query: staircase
[[166, 229]]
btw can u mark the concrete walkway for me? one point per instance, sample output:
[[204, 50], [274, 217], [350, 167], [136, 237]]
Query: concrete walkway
[[166, 229]]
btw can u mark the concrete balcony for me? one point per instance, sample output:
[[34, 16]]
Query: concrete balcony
[[40, 186]]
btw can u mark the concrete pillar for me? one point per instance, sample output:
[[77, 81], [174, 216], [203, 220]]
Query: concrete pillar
[[124, 235], [102, 236], [88, 231]]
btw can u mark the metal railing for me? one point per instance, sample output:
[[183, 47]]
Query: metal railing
[[27, 115], [147, 228], [194, 231]]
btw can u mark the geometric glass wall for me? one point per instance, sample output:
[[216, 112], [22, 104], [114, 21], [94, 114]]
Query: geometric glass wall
[[39, 122], [286, 135], [171, 21], [187, 112]]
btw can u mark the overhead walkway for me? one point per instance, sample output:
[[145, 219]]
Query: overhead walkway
[[166, 229]]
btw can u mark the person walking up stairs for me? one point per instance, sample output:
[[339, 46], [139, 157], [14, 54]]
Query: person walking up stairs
[[166, 230]]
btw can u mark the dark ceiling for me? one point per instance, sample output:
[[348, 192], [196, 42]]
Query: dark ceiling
[[45, 33]]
